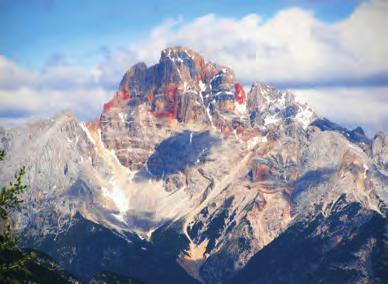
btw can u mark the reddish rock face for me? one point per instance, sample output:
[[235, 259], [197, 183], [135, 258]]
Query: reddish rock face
[[93, 124], [107, 106], [176, 83], [120, 99], [239, 93], [260, 172], [166, 104]]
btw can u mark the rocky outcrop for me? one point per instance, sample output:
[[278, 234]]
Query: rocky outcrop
[[346, 245], [53, 152], [380, 152]]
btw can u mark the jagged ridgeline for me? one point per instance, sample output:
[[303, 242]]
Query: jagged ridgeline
[[188, 176]]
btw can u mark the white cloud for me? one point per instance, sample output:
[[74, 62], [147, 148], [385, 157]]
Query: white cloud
[[26, 93], [12, 76], [86, 103], [14, 121], [293, 46], [350, 107]]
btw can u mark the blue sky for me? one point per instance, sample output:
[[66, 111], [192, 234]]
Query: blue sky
[[71, 54], [34, 32]]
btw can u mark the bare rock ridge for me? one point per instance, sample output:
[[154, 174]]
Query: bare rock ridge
[[193, 177], [183, 91]]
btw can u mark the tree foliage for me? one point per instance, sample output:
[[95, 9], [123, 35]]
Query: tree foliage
[[12, 259]]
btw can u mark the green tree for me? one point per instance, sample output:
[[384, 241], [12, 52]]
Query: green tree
[[12, 259]]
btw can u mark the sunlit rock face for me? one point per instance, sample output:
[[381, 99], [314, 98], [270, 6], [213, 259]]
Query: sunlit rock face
[[187, 164], [380, 151]]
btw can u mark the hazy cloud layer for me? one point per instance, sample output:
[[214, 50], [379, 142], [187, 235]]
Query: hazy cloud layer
[[26, 93], [291, 49], [352, 107], [292, 46]]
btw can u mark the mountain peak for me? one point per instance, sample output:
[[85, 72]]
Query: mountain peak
[[184, 90], [178, 53]]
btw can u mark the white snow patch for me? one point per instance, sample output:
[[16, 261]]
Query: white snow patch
[[216, 76], [282, 100], [178, 58], [235, 134], [210, 117], [121, 116], [119, 217], [117, 195], [99, 136], [252, 142], [365, 170], [240, 108], [270, 119], [305, 117], [149, 233], [202, 86], [179, 72], [208, 112], [224, 93]]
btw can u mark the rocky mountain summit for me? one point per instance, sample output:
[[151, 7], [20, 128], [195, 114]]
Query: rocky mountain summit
[[188, 176]]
